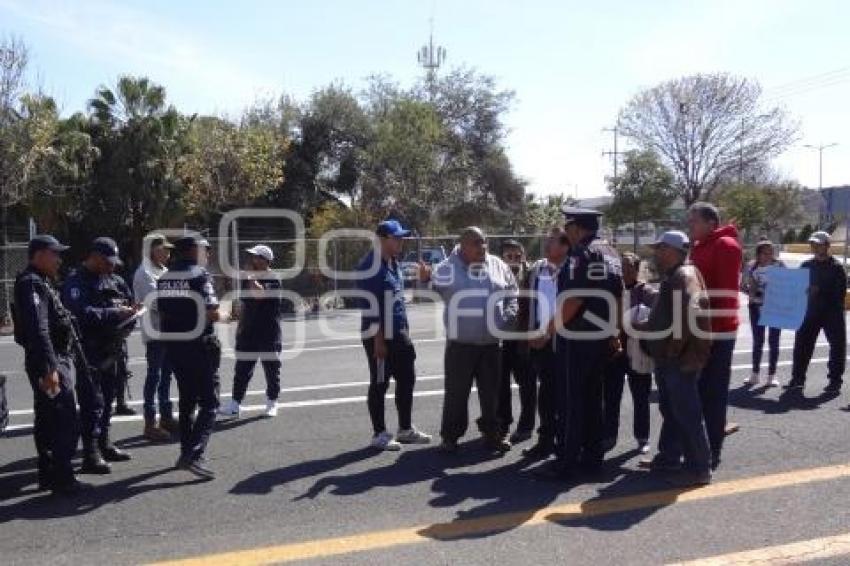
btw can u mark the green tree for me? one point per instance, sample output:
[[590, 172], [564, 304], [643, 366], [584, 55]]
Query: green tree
[[745, 205], [643, 192], [401, 164], [141, 141], [325, 156], [229, 165]]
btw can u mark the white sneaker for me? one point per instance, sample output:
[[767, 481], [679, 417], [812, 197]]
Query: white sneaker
[[772, 380], [412, 436], [643, 446], [231, 409], [753, 379], [271, 408], [385, 441]]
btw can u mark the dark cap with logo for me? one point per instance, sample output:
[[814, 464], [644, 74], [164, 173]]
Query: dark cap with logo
[[586, 218], [107, 248], [391, 228], [45, 242]]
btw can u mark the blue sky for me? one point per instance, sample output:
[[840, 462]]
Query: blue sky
[[573, 64]]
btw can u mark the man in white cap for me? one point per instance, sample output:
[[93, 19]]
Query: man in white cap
[[258, 335], [827, 287]]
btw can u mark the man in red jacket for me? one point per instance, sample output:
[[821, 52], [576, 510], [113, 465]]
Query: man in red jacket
[[717, 254]]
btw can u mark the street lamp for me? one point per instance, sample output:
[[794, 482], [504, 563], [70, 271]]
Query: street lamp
[[819, 149]]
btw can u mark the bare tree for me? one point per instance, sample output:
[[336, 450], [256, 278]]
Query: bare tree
[[709, 129]]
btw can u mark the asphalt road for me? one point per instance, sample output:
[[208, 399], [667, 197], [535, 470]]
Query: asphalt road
[[306, 486]]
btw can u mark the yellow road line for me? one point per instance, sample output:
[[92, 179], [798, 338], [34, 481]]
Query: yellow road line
[[323, 548], [793, 553]]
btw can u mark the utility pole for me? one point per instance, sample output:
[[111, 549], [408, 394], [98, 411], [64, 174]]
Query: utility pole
[[615, 155], [819, 149]]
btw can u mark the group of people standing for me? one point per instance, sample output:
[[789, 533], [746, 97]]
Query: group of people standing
[[74, 339], [574, 326], [570, 329]]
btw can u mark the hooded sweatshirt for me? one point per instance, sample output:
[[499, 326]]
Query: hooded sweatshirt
[[719, 258], [477, 282]]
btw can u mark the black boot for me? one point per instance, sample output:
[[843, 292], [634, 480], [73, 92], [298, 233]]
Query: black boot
[[93, 462], [121, 408], [110, 452]]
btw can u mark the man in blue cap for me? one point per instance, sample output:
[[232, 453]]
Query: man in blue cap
[[589, 280], [188, 308], [43, 327], [101, 302], [386, 338]]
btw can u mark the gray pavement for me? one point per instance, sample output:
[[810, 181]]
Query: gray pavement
[[308, 475]]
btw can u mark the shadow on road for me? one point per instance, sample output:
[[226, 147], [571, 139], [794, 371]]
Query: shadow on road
[[265, 482], [412, 466], [506, 508], [47, 506], [748, 397]]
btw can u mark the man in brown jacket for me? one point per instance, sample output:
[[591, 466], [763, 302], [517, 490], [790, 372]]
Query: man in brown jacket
[[680, 349]]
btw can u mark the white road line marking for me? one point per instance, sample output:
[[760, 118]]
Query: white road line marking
[[335, 401]]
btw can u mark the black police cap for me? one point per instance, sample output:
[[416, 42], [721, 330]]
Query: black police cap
[[187, 242], [511, 243], [108, 248], [45, 242], [586, 218]]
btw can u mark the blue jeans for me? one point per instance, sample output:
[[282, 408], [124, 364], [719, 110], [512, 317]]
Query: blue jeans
[[758, 342], [714, 393], [682, 430], [157, 381]]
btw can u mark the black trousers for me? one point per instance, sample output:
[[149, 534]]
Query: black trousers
[[247, 356], [56, 429], [516, 361], [196, 371], [399, 365], [90, 398], [542, 375], [640, 386], [834, 327], [579, 394], [465, 364]]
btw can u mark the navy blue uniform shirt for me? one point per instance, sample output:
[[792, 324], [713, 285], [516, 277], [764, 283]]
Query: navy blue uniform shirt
[[592, 265], [178, 310], [37, 311], [386, 284], [94, 300]]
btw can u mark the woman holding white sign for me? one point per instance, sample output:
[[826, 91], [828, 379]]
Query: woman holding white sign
[[754, 283]]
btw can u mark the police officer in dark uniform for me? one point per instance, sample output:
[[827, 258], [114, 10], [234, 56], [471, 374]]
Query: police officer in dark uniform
[[188, 307], [585, 348], [99, 300], [45, 329]]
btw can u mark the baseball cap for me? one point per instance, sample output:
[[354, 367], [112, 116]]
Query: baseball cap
[[107, 248], [820, 237], [45, 242], [675, 239], [264, 252], [587, 218], [156, 240], [391, 228]]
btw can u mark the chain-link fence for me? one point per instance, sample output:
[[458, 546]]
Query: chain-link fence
[[13, 259]]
